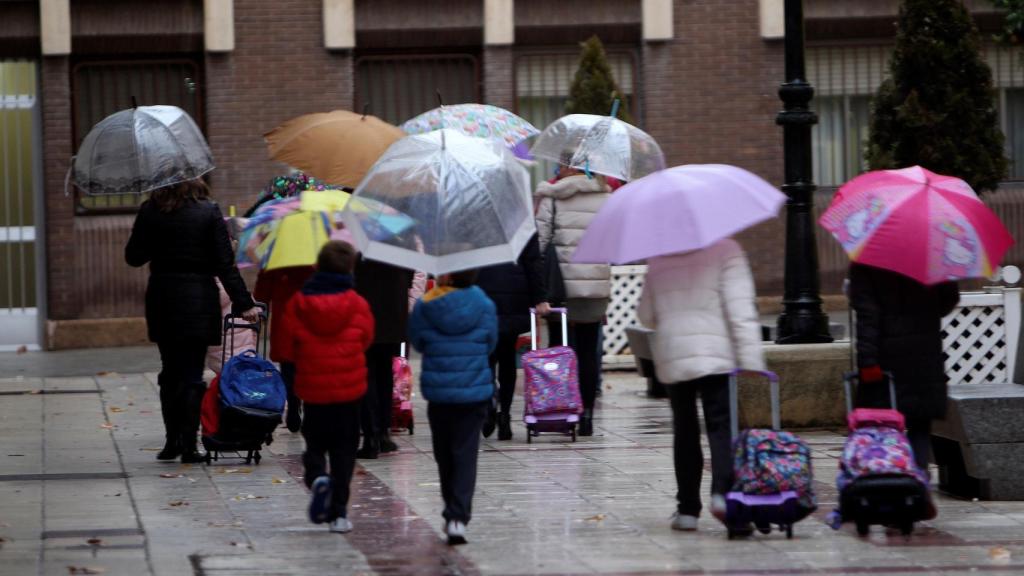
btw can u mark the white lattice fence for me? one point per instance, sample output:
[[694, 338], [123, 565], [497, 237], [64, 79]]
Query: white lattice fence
[[627, 284], [980, 337]]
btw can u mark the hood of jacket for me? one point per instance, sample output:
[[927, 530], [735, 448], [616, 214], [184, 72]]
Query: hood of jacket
[[454, 311], [323, 306], [570, 186]]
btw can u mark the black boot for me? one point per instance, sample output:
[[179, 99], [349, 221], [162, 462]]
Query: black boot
[[191, 406], [587, 422], [370, 449], [170, 402], [504, 426], [386, 444], [293, 420]]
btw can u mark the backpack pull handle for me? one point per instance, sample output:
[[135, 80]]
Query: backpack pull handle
[[773, 382]]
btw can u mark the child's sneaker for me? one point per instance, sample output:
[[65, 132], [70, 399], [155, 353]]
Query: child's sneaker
[[321, 501], [456, 532], [341, 525], [718, 507], [684, 522]]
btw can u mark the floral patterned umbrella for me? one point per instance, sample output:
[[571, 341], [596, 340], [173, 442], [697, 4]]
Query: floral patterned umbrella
[[477, 120]]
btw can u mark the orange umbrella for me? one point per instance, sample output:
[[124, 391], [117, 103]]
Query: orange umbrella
[[337, 147]]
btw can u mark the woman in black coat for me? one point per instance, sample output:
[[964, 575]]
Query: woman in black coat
[[182, 235], [899, 331], [386, 289], [514, 288]]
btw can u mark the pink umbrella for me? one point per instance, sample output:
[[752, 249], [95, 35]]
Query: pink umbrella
[[677, 210], [929, 227]]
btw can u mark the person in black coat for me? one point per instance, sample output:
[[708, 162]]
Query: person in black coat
[[899, 332], [386, 289], [182, 235], [514, 288]]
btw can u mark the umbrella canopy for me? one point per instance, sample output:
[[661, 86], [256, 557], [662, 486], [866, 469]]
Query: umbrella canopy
[[677, 210], [601, 144], [337, 147], [141, 149], [466, 200], [291, 231], [478, 120], [929, 227]]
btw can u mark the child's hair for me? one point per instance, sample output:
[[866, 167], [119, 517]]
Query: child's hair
[[337, 257], [463, 279]]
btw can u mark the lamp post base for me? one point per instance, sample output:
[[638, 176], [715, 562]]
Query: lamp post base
[[803, 322]]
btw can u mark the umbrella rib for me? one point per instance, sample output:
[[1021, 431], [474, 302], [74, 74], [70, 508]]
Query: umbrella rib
[[92, 153]]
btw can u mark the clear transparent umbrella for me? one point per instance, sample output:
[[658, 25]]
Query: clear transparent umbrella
[[601, 144], [465, 203], [141, 149]]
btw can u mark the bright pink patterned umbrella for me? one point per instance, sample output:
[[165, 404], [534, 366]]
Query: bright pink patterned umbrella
[[929, 227]]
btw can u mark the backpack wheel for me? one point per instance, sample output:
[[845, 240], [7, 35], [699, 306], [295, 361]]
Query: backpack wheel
[[256, 457]]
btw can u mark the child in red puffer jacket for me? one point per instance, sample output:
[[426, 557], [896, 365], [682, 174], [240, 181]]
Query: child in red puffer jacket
[[327, 328]]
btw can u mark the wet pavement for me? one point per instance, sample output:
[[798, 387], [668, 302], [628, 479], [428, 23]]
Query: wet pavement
[[81, 493]]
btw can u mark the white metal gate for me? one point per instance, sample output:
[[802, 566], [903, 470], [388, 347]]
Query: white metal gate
[[21, 207]]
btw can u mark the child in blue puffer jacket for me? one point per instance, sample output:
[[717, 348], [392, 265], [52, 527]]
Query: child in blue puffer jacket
[[455, 327]]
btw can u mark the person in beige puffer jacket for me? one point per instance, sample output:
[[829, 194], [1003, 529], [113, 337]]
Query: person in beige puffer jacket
[[566, 209], [701, 305]]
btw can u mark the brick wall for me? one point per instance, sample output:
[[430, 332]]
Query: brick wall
[[710, 96], [498, 76], [279, 69], [61, 253]]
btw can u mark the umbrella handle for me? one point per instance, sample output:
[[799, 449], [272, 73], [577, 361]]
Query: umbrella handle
[[615, 108]]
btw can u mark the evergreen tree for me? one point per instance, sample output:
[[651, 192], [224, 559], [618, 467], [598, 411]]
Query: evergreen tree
[[593, 88], [938, 108]]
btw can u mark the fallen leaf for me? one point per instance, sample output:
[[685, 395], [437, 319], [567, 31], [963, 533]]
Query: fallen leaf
[[595, 518], [170, 475], [131, 403], [94, 541], [145, 411], [22, 349], [85, 570], [177, 503], [243, 497], [107, 426], [278, 481], [999, 555], [150, 449], [105, 373], [241, 544], [116, 409]]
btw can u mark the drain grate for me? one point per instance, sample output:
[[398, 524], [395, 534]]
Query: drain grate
[[67, 476]]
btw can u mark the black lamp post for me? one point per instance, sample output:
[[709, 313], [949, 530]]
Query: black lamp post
[[802, 320]]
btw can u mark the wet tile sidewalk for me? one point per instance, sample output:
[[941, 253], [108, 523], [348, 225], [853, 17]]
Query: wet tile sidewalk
[[81, 492]]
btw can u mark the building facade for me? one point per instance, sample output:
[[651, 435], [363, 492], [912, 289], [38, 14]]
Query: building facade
[[701, 76]]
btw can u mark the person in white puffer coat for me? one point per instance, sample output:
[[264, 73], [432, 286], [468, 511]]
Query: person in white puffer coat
[[701, 305], [566, 209]]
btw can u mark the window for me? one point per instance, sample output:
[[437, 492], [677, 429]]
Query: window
[[101, 88], [397, 88], [845, 79], [542, 88], [18, 140]]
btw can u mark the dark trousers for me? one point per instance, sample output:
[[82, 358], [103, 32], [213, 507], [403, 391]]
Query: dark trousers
[[181, 388], [687, 453], [375, 413], [919, 430], [503, 366], [455, 431], [288, 376], [583, 339], [331, 432]]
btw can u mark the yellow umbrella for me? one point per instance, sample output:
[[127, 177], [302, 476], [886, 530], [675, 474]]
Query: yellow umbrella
[[337, 147], [296, 238]]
